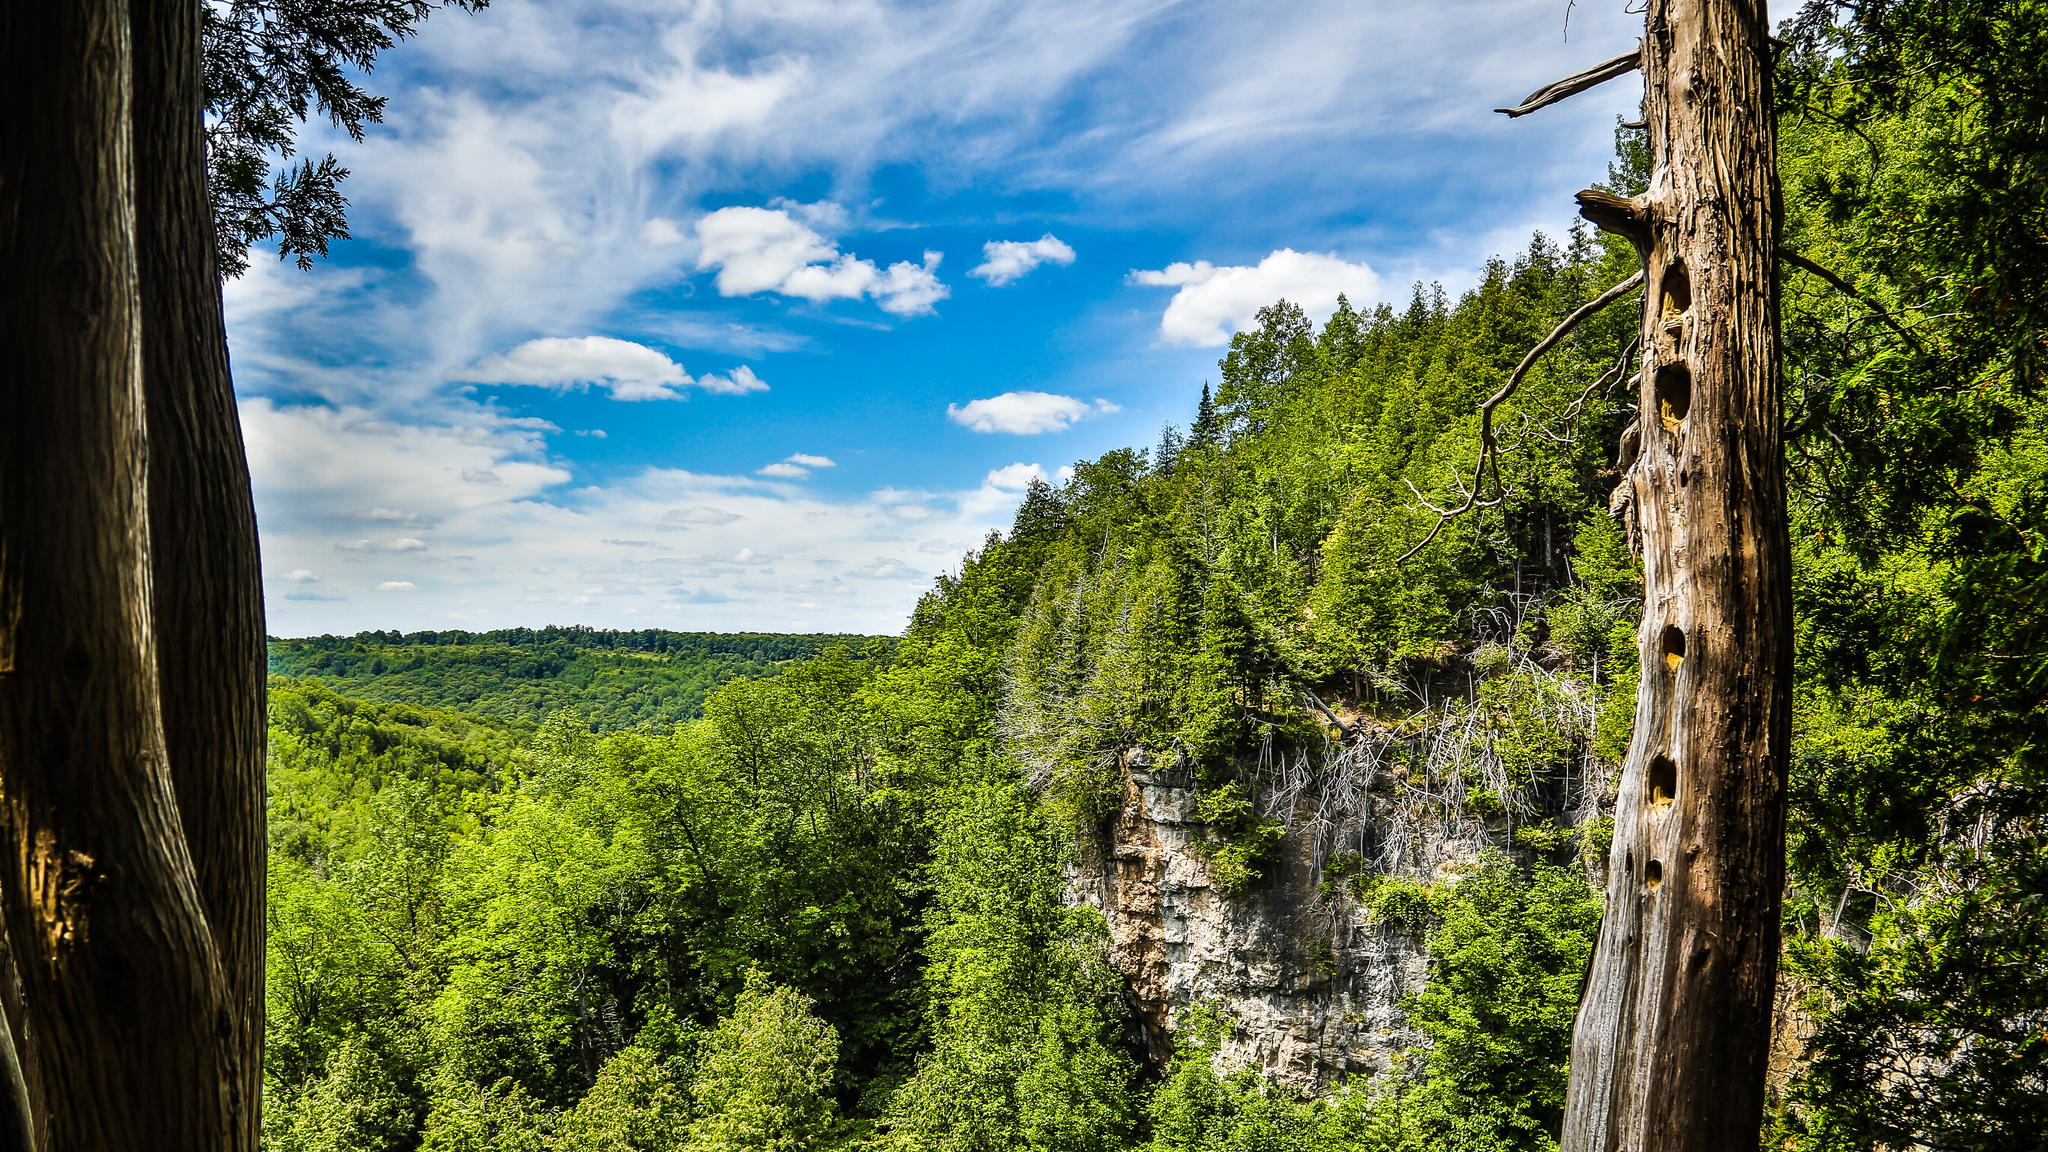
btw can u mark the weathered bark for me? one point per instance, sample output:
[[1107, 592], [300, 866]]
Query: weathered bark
[[207, 590], [121, 1003], [1669, 1050]]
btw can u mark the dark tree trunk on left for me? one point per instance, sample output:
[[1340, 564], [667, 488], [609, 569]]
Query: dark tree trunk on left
[[130, 706], [207, 587]]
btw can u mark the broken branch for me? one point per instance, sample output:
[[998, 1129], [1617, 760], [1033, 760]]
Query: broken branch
[[1625, 216], [1576, 83], [1488, 446]]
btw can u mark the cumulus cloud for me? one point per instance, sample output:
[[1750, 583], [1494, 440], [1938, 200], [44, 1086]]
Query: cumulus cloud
[[1006, 260], [397, 586], [737, 382], [629, 371], [1213, 301], [796, 466], [1026, 413], [1015, 477], [759, 250]]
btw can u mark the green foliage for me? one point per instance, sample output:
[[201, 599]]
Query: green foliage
[[517, 676], [1026, 1011], [764, 1077], [1506, 958], [1242, 840], [637, 1104]]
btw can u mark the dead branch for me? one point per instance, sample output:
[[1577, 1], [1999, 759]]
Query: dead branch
[[1850, 290], [1576, 83], [1488, 445]]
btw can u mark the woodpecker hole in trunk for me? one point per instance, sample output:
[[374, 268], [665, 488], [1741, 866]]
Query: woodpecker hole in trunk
[[1674, 646], [1674, 394], [1653, 875], [1676, 294], [1663, 784]]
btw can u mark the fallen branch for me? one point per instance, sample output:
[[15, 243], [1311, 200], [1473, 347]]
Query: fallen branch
[[1316, 702], [1488, 446], [1576, 83], [1848, 289]]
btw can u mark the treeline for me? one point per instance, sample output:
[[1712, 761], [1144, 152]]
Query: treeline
[[518, 676], [833, 911]]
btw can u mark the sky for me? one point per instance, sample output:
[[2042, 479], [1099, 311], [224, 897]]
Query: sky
[[758, 316]]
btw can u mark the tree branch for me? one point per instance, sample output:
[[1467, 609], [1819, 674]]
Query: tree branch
[[1488, 445], [1576, 83], [1848, 289]]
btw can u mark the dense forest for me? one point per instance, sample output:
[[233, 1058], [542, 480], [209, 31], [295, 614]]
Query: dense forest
[[526, 894], [519, 676]]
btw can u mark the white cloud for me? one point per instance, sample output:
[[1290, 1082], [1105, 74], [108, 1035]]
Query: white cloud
[[1004, 261], [628, 370], [402, 544], [770, 250], [301, 576], [396, 516], [1026, 413], [737, 382], [1015, 477], [1213, 300], [661, 547], [697, 516], [796, 466]]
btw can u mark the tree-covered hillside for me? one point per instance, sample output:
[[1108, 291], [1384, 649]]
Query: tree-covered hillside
[[835, 911], [520, 675]]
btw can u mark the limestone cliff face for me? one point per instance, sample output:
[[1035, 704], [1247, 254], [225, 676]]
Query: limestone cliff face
[[1313, 980]]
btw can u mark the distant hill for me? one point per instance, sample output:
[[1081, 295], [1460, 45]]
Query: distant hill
[[518, 676]]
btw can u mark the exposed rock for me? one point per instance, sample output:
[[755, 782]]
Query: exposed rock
[[1313, 983]]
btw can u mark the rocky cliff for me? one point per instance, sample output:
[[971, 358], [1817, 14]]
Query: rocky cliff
[[1311, 975]]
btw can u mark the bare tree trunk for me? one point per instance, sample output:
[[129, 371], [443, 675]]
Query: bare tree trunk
[[122, 1023], [1669, 1050], [208, 593]]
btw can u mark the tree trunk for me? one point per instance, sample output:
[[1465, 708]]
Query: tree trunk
[[123, 1024], [208, 588], [1669, 1049]]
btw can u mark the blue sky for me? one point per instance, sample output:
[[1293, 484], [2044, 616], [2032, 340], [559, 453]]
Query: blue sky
[[758, 315]]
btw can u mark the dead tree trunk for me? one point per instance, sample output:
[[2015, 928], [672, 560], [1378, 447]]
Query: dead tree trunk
[[125, 970], [1669, 1048]]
